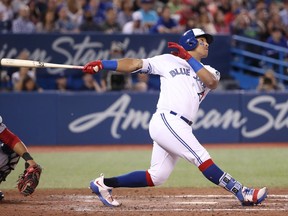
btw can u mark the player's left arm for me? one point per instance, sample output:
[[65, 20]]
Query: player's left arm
[[125, 65], [208, 78], [212, 71]]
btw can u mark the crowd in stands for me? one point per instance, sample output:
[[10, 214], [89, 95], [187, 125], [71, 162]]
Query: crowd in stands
[[264, 20]]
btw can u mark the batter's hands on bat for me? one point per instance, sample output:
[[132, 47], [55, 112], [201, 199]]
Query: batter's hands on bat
[[181, 52], [93, 67]]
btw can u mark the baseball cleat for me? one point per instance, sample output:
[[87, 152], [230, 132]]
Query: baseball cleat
[[103, 192], [1, 195], [250, 197]]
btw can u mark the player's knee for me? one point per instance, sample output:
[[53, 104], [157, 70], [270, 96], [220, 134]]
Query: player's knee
[[158, 180]]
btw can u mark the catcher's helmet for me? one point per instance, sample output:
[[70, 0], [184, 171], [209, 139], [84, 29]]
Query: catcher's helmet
[[188, 39]]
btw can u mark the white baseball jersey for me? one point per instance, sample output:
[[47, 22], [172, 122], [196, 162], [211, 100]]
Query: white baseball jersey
[[181, 92], [181, 89]]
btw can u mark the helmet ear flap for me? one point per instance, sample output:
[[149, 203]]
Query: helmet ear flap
[[188, 40], [192, 43]]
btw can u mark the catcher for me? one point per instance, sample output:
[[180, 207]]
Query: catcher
[[11, 149]]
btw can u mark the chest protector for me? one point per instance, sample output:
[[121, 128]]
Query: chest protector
[[8, 161]]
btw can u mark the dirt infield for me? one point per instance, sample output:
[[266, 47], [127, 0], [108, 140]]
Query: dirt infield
[[144, 201]]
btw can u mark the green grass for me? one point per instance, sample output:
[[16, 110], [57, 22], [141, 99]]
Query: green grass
[[253, 167]]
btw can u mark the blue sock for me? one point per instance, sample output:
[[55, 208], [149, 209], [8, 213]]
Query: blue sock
[[211, 171], [131, 180]]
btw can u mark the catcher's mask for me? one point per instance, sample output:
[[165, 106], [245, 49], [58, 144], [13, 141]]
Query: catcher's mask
[[188, 39]]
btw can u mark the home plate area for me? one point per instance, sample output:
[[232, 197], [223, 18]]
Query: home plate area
[[146, 201]]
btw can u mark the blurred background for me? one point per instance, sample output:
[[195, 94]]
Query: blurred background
[[67, 107]]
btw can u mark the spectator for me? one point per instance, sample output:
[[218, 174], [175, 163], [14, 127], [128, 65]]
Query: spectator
[[260, 21], [5, 83], [174, 5], [225, 6], [276, 19], [19, 76], [241, 24], [97, 9], [268, 82], [206, 23], [48, 24], [191, 22], [88, 23], [37, 10], [284, 13], [90, 84], [135, 26], [110, 24], [186, 13], [149, 15], [221, 26], [115, 81], [111, 80], [75, 11], [276, 38], [125, 13], [64, 24], [70, 81], [141, 83], [23, 24], [52, 6], [165, 23], [28, 84], [231, 11], [62, 83], [259, 6], [6, 16]]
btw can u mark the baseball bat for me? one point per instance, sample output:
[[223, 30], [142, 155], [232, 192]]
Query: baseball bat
[[35, 64]]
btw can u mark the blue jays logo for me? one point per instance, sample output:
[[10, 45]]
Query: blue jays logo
[[201, 95]]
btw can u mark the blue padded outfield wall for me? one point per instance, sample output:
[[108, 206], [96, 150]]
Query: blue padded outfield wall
[[51, 118]]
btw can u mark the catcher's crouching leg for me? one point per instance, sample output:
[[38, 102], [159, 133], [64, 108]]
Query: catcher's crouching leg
[[29, 180], [8, 161]]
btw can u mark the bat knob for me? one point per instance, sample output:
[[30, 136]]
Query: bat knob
[[96, 69]]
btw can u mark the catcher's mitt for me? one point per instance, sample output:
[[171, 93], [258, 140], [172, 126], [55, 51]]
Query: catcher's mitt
[[29, 180]]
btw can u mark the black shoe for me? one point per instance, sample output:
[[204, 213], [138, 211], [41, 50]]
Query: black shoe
[[1, 195]]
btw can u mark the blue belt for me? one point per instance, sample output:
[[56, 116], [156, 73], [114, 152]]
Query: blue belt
[[182, 117]]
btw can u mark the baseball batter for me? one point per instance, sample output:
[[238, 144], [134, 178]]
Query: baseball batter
[[185, 82], [11, 149]]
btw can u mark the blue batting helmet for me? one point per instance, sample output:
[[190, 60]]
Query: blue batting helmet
[[188, 39]]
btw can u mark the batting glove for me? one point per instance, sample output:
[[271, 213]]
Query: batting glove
[[93, 67], [181, 52]]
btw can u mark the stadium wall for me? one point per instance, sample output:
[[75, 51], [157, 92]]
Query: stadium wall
[[78, 49], [73, 118]]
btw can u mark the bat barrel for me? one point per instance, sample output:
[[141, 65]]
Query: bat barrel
[[35, 64]]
